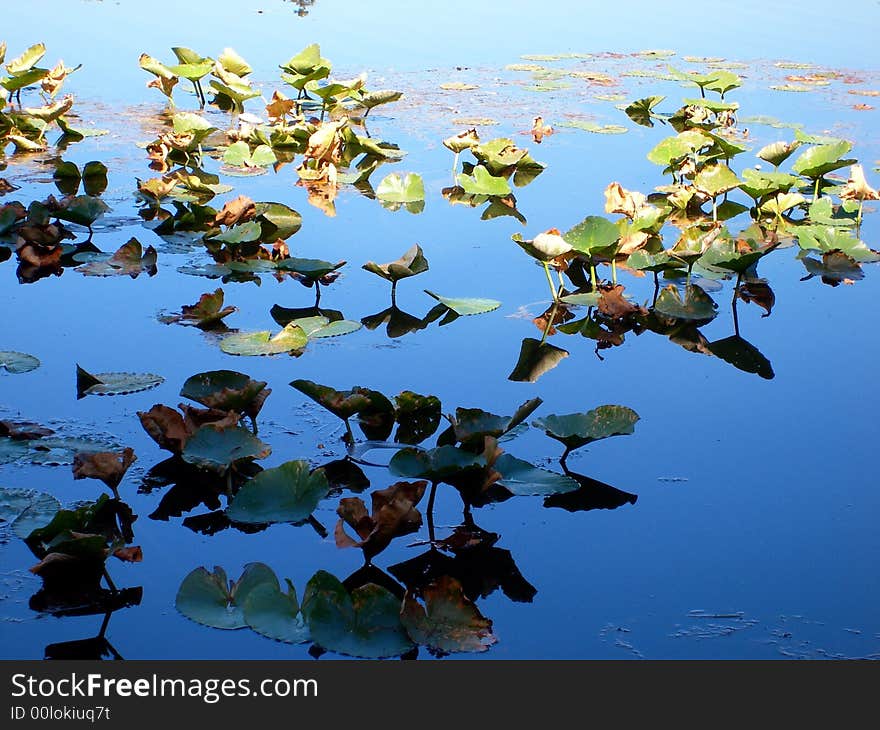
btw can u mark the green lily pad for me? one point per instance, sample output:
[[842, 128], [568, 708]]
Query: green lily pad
[[27, 60], [412, 263], [290, 339], [472, 425], [830, 238], [397, 189], [82, 209], [275, 614], [311, 269], [592, 234], [820, 159], [777, 152], [342, 404], [697, 305], [364, 623], [27, 510], [287, 493], [319, 326], [212, 600], [523, 479], [466, 307], [226, 390], [448, 622], [217, 449], [594, 127], [17, 362], [114, 383], [675, 148], [579, 429], [434, 465], [641, 110], [482, 182], [716, 179], [278, 221]]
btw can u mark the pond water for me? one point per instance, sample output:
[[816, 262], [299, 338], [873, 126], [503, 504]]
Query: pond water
[[738, 520]]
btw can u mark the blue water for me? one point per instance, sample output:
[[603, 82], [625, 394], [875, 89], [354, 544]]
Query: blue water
[[754, 533]]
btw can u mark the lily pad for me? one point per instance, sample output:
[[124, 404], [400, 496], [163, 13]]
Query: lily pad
[[207, 313], [395, 191], [227, 390], [114, 383], [364, 623], [448, 622], [523, 479], [290, 339], [579, 429], [17, 362], [434, 465], [466, 307], [319, 327], [216, 449], [129, 260], [482, 182], [412, 263], [276, 614], [287, 493], [212, 600], [27, 510]]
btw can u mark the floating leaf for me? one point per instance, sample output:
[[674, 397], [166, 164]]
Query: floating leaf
[[434, 465], [290, 339], [129, 260], [287, 493], [17, 362], [216, 449], [641, 111], [319, 327], [211, 599], [27, 510], [483, 183], [594, 127], [227, 390], [364, 623], [275, 614], [466, 307], [207, 313], [579, 429], [523, 479], [592, 234], [397, 189], [108, 466], [114, 383], [448, 622]]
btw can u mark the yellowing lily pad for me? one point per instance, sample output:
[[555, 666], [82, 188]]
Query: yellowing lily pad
[[291, 339]]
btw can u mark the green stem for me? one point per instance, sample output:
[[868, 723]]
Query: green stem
[[550, 281], [455, 168], [816, 190], [614, 271], [593, 281]]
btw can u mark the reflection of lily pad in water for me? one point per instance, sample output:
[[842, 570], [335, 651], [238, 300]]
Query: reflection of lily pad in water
[[594, 127], [742, 355]]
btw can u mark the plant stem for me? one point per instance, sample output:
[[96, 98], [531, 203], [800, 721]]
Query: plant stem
[[733, 305], [550, 281], [455, 168], [593, 282], [430, 515], [614, 271], [816, 190]]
